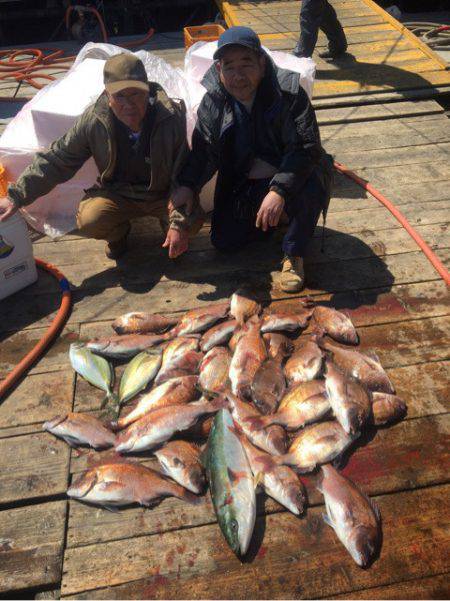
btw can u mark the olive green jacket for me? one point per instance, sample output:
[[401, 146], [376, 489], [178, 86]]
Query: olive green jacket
[[92, 135]]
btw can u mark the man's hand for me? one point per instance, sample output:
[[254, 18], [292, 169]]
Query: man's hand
[[182, 196], [177, 241], [7, 209], [270, 211]]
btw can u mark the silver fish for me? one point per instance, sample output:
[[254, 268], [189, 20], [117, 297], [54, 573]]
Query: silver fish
[[387, 408], [231, 483], [304, 403], [280, 482], [350, 401], [214, 370], [81, 429], [143, 323], [272, 439], [219, 334], [180, 358], [138, 373], [283, 321], [125, 347], [116, 484], [278, 345], [199, 320], [250, 352], [364, 367], [353, 516], [94, 369], [268, 386], [306, 362], [181, 461], [160, 425], [336, 324], [176, 391], [242, 306], [314, 445]]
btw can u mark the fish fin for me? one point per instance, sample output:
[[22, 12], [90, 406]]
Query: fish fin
[[268, 462], [111, 508], [375, 508], [255, 422], [373, 355], [71, 441], [235, 476], [258, 479], [327, 520]]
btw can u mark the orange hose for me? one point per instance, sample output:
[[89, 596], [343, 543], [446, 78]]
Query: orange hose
[[49, 335], [437, 264]]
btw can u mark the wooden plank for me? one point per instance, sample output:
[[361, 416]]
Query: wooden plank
[[339, 246], [36, 399], [181, 295], [433, 587], [385, 79], [19, 344], [377, 111], [392, 461], [31, 546], [32, 466], [195, 563], [386, 157]]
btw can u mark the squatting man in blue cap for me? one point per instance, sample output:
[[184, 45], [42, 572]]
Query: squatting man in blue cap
[[137, 137], [257, 129]]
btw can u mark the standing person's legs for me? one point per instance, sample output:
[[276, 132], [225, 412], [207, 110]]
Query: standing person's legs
[[330, 25], [310, 20]]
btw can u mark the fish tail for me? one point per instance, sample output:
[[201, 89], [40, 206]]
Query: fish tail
[[112, 404]]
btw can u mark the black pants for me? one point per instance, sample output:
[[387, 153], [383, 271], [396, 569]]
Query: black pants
[[233, 223], [315, 15]]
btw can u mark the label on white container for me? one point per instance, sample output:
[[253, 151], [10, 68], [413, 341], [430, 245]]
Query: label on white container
[[12, 271]]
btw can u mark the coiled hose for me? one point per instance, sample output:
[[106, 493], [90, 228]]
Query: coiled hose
[[436, 35], [51, 333]]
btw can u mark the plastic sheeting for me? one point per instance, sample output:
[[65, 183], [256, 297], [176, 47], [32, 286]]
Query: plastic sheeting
[[54, 109]]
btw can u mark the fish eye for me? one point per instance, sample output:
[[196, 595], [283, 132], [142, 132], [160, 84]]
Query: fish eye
[[234, 525]]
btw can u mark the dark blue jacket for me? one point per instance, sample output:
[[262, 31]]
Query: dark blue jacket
[[284, 120]]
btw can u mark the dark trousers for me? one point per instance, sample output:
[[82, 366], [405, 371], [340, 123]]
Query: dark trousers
[[233, 224], [315, 15]]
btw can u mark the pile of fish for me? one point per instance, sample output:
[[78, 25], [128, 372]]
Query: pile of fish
[[272, 405]]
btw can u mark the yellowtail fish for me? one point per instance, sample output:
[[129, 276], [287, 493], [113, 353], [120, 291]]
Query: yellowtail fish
[[94, 369], [138, 374]]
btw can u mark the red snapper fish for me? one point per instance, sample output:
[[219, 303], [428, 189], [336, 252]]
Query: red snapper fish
[[116, 484], [143, 323], [336, 324], [353, 516], [81, 429]]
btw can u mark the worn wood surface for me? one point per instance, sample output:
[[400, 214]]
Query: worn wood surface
[[31, 545], [370, 268], [382, 57], [435, 587], [289, 557]]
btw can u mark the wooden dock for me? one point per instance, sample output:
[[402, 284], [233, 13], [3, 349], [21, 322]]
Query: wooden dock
[[370, 267]]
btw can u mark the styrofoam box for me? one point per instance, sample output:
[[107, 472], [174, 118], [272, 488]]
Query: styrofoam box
[[17, 265]]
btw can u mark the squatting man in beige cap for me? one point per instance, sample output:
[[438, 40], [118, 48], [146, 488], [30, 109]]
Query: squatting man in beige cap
[[137, 137]]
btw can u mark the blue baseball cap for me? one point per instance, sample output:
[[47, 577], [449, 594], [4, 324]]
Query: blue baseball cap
[[237, 36]]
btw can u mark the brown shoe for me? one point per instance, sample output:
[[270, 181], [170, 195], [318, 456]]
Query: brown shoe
[[116, 249], [292, 277]]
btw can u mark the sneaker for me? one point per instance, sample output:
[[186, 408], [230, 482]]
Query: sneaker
[[116, 249], [299, 53], [292, 277]]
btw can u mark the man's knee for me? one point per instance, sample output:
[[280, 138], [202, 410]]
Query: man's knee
[[93, 220]]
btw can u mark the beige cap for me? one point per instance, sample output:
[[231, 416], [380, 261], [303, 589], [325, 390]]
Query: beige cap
[[124, 71]]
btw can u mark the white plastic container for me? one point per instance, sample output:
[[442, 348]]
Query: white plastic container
[[17, 266]]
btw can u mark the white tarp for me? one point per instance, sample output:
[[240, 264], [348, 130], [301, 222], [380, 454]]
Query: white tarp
[[53, 110]]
